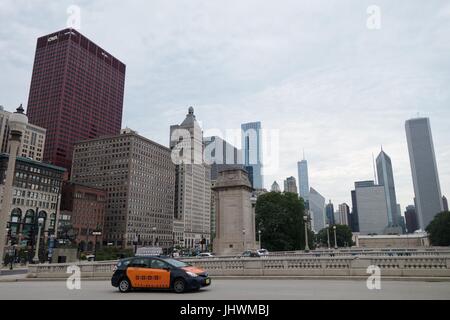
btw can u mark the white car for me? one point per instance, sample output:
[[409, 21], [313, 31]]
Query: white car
[[205, 255], [263, 252]]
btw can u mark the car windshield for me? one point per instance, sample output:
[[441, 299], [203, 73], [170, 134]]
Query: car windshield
[[123, 263], [177, 263]]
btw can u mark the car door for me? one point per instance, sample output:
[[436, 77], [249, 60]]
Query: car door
[[159, 273], [137, 272]]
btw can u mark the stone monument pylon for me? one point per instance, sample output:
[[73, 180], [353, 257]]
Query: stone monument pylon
[[235, 218]]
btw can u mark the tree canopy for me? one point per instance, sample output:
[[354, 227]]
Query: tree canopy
[[439, 229], [279, 216], [343, 236]]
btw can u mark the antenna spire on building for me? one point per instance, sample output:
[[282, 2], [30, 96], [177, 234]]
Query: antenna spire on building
[[374, 169]]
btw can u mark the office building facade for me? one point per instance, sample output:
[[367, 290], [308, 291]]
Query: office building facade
[[411, 219], [36, 194], [220, 155], [370, 201], [303, 179], [386, 179], [344, 213], [424, 170], [86, 206], [329, 214], [32, 142], [76, 93], [316, 210], [192, 213], [290, 185], [139, 178], [252, 152]]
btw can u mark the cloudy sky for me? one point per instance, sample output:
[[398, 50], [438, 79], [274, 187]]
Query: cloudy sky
[[311, 69]]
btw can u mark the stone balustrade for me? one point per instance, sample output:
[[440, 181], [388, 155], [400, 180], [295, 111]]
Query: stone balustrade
[[412, 266]]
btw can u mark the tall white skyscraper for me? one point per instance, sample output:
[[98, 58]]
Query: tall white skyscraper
[[303, 180], [192, 220], [317, 210], [386, 179], [424, 170]]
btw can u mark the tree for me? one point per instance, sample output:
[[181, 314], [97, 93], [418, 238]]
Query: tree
[[343, 236], [439, 229], [279, 216]]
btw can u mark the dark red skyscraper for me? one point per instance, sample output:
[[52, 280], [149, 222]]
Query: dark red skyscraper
[[76, 93]]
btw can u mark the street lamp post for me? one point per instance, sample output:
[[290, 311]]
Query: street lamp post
[[335, 242], [136, 242], [17, 123], [36, 254], [259, 239], [96, 233], [154, 236], [305, 218], [328, 235]]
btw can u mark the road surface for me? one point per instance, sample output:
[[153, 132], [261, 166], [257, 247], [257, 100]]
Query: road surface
[[235, 290]]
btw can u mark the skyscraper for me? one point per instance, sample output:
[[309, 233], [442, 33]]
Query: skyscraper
[[303, 180], [445, 203], [317, 210], [411, 219], [290, 185], [386, 179], [329, 210], [76, 93], [139, 178], [275, 187], [344, 212], [252, 151], [192, 221], [369, 200], [221, 155], [354, 223], [424, 170]]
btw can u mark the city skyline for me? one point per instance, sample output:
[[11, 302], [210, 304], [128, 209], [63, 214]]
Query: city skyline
[[161, 90]]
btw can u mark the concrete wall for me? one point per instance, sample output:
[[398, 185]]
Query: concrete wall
[[417, 266]]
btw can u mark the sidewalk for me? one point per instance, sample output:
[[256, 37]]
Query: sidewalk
[[17, 271]]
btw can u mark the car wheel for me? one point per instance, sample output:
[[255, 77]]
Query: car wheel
[[124, 285], [179, 285]]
